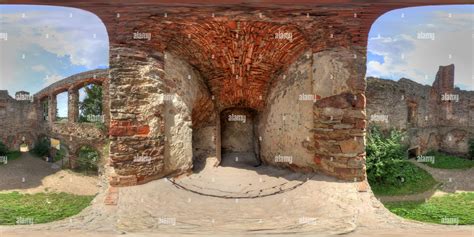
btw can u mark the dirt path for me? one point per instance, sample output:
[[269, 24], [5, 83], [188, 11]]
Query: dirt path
[[28, 174], [451, 181]]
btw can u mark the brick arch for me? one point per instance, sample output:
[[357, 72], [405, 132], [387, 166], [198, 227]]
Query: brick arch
[[76, 81], [237, 59]]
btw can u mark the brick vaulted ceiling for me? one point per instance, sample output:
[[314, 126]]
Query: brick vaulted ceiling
[[236, 58]]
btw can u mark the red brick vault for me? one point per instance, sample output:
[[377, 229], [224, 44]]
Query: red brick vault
[[176, 65]]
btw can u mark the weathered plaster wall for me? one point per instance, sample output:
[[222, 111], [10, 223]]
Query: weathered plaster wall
[[285, 125], [185, 93]]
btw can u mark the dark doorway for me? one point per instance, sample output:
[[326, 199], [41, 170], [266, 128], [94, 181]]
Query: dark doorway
[[239, 141]]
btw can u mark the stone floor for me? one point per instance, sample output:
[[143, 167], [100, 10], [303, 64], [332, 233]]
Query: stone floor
[[227, 181], [319, 206]]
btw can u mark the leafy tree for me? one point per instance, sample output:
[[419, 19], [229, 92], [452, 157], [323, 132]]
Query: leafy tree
[[92, 104]]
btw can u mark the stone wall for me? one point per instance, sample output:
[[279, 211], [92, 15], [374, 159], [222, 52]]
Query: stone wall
[[339, 112], [18, 118], [437, 117]]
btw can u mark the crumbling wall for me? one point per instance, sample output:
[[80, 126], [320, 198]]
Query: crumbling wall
[[18, 120], [437, 117]]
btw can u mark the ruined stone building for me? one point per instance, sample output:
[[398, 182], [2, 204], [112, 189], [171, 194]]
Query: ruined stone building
[[178, 72], [437, 117], [28, 118]]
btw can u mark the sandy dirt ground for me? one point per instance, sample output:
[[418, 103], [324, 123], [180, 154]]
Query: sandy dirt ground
[[29, 174]]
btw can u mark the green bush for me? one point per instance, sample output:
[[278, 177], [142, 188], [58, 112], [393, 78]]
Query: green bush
[[42, 147], [388, 170], [3, 149], [386, 158], [471, 148]]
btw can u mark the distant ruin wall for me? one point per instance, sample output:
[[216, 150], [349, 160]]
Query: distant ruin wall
[[437, 117], [18, 118]]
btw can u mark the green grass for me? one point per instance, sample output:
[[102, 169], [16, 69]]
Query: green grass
[[41, 207], [421, 181], [459, 207], [444, 161]]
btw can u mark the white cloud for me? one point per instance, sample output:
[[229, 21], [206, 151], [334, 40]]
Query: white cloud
[[418, 59], [82, 38]]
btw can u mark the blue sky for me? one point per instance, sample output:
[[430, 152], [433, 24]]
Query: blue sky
[[46, 44], [395, 49]]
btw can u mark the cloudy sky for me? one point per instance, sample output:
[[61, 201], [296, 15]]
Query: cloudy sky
[[45, 44], [414, 42]]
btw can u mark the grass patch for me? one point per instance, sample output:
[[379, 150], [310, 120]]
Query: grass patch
[[40, 207], [420, 181], [441, 210], [444, 161]]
